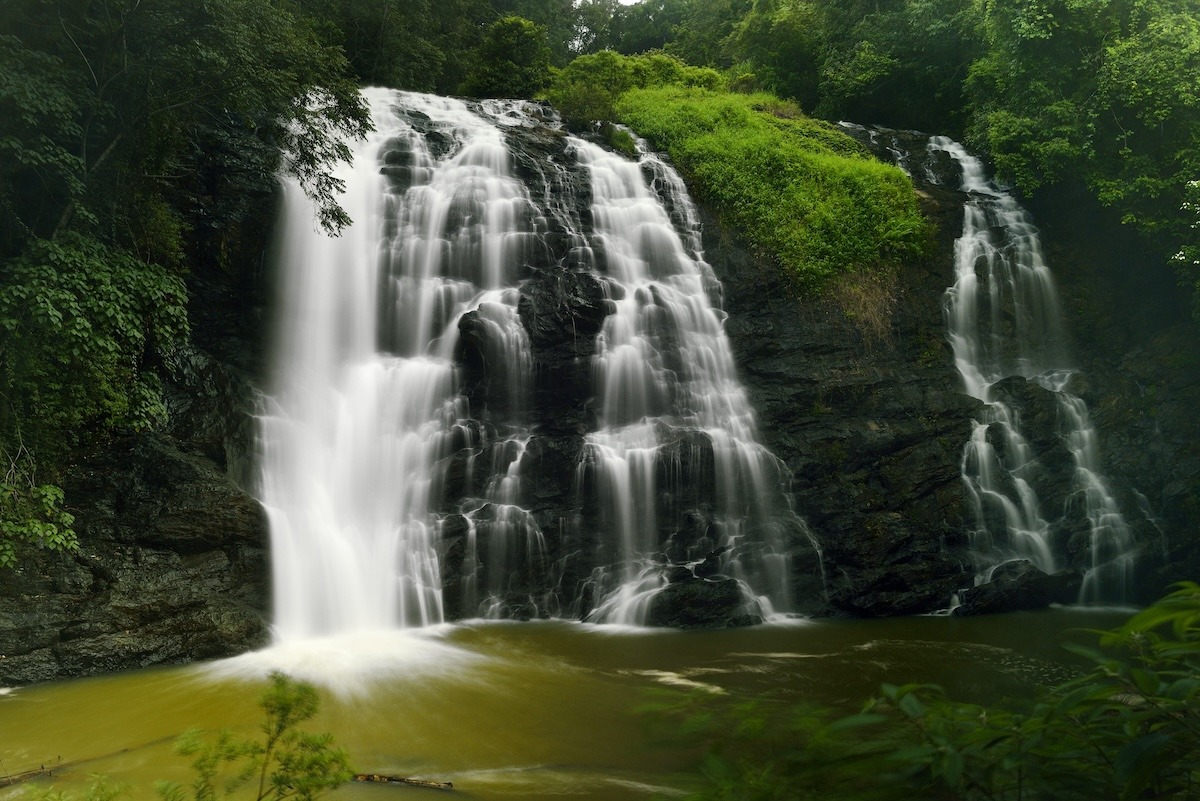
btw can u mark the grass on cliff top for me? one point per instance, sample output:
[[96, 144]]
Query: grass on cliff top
[[804, 193]]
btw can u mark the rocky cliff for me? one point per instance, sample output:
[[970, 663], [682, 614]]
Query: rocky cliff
[[856, 391], [172, 565]]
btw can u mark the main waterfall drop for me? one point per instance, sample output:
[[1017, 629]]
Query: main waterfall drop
[[504, 391]]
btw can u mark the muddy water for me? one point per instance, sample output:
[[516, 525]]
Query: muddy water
[[517, 710]]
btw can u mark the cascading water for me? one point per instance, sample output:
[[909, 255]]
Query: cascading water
[[1003, 321], [672, 412], [400, 427], [366, 408]]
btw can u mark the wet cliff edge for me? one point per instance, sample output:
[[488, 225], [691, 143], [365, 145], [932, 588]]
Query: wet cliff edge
[[860, 399]]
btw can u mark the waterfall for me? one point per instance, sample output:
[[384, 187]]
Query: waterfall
[[1003, 322], [400, 440], [673, 416]]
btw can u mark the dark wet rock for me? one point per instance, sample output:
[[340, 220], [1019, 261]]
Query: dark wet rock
[[870, 423], [697, 603], [1017, 586], [171, 569]]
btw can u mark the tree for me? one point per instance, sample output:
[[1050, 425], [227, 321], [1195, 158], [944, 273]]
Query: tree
[[138, 140], [285, 764], [512, 61], [594, 26], [387, 42], [1098, 93]]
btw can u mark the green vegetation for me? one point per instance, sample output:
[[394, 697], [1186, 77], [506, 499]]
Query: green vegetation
[[512, 61], [285, 764], [1128, 728], [587, 89], [139, 142], [1069, 99], [801, 190]]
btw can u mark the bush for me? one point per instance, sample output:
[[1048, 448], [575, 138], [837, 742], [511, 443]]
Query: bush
[[284, 764], [1129, 728], [586, 90]]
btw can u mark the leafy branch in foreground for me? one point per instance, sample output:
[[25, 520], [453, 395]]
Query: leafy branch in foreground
[[1129, 728], [284, 764]]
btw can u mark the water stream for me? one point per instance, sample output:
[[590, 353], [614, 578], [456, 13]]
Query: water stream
[[1003, 320], [1031, 466], [535, 711]]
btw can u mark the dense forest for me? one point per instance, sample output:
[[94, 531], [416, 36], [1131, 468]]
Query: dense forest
[[142, 140]]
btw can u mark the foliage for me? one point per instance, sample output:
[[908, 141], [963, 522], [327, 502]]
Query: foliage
[[1129, 728], [81, 328], [512, 61], [31, 513], [1063, 96], [137, 140], [586, 90], [801, 190], [1098, 92], [285, 764], [387, 42], [1187, 258]]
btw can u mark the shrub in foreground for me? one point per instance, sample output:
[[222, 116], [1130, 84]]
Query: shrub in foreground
[[1128, 728]]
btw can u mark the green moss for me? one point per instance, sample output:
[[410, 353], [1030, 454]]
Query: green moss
[[619, 140], [802, 191]]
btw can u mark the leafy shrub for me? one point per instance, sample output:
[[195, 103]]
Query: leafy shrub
[[31, 513], [586, 90], [78, 324], [83, 330], [1128, 728], [285, 764]]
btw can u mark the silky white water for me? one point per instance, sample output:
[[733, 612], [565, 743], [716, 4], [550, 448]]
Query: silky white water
[[397, 426], [1003, 320], [665, 375], [364, 402]]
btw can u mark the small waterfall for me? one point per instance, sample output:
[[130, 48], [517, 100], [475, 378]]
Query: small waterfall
[[1004, 326], [674, 420], [400, 443]]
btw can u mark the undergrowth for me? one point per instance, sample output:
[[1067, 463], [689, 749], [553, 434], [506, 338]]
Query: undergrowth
[[1128, 728]]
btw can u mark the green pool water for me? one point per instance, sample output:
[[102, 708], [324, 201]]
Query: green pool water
[[518, 710]]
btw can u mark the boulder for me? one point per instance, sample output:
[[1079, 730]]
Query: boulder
[[1019, 585], [701, 603]]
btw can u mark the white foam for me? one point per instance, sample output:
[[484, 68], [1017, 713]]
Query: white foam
[[351, 664]]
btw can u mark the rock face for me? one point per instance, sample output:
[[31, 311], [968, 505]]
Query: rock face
[[172, 565], [1136, 342], [870, 419]]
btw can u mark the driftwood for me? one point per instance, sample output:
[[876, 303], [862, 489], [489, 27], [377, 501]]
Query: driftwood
[[28, 776], [385, 779], [44, 772]]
